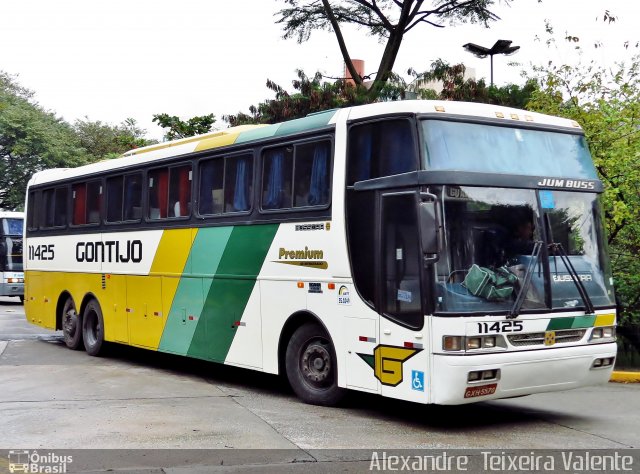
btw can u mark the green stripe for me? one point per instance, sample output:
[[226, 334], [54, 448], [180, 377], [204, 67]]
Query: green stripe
[[229, 291], [583, 322], [560, 323], [205, 256]]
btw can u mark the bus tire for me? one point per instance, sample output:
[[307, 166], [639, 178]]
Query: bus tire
[[71, 325], [21, 299], [311, 366], [93, 328]]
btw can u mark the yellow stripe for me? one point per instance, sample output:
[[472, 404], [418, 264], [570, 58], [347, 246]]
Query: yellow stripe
[[605, 320], [173, 251]]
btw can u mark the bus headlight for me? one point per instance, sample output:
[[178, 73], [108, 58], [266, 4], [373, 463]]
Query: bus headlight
[[452, 343], [603, 334], [473, 343], [15, 280]]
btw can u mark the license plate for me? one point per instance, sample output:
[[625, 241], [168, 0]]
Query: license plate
[[480, 391]]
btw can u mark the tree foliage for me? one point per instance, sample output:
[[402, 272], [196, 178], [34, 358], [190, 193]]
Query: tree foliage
[[31, 139], [102, 140], [312, 95], [387, 20], [177, 128], [606, 103]]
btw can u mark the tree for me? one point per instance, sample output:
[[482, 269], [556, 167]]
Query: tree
[[102, 140], [181, 129], [387, 20], [313, 95], [31, 139], [606, 103], [456, 87]]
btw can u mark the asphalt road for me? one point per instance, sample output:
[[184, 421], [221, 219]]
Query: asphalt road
[[52, 398]]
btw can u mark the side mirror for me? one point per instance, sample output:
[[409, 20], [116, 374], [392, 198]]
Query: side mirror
[[429, 227]]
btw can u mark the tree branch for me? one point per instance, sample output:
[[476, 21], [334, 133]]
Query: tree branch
[[341, 43]]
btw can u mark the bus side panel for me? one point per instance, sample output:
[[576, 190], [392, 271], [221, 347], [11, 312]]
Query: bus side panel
[[246, 348], [144, 309], [33, 302], [278, 300], [230, 289], [113, 302], [186, 307]]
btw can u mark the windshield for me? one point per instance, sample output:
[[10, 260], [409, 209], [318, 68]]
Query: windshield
[[12, 226], [485, 148], [488, 244]]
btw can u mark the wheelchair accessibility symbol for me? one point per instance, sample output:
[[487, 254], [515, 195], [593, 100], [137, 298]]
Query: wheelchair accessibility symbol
[[417, 380]]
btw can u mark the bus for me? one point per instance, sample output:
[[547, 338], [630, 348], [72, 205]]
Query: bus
[[435, 252], [11, 275]]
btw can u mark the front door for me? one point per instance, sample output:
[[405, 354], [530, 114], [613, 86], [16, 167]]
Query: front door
[[402, 356]]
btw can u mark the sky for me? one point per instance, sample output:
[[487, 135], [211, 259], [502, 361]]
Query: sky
[[134, 58]]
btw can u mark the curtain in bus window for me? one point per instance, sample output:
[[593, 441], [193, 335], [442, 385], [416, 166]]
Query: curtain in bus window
[[79, 204], [319, 191], [275, 180], [241, 193]]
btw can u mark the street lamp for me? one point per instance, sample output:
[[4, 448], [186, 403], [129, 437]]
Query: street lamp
[[501, 47]]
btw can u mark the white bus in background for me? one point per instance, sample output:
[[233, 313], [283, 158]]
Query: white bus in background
[[11, 274]]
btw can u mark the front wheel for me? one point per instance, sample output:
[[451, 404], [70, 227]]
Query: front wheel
[[71, 325], [311, 366], [93, 328]]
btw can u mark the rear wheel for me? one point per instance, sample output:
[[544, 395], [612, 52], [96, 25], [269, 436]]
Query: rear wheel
[[311, 366], [71, 325], [93, 328]]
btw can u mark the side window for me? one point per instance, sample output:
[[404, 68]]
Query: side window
[[226, 185], [297, 175], [211, 186], [94, 201], [170, 192], [381, 148], [132, 205], [54, 202], [312, 168], [124, 198], [87, 200], [32, 220], [114, 199]]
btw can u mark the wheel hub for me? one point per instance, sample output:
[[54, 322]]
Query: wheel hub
[[316, 363], [70, 322]]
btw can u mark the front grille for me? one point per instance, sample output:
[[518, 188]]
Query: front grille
[[537, 338]]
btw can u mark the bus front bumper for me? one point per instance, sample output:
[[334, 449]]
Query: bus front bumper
[[11, 289], [519, 373]]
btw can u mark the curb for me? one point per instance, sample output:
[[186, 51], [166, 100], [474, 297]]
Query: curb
[[625, 377]]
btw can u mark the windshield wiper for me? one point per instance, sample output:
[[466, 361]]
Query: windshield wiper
[[557, 248], [526, 281]]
